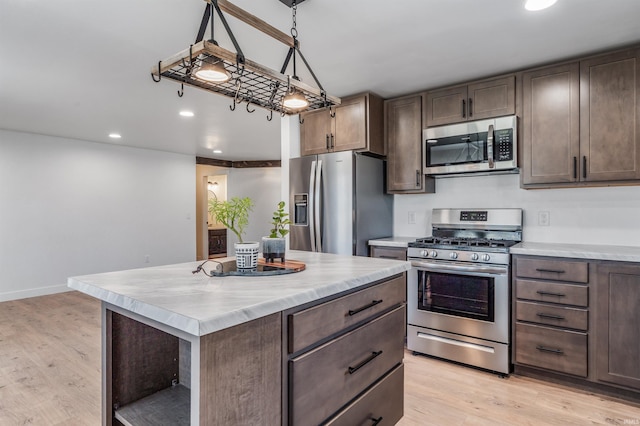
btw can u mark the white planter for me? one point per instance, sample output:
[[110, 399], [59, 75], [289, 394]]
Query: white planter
[[246, 254]]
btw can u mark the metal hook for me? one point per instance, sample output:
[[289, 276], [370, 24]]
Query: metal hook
[[235, 98], [181, 91], [159, 75], [300, 120], [332, 113], [270, 116], [249, 98]]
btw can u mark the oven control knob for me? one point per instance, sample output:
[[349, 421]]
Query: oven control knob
[[474, 256], [424, 253], [453, 255], [486, 257], [434, 253]]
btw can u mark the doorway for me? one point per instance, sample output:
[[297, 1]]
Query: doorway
[[216, 231]]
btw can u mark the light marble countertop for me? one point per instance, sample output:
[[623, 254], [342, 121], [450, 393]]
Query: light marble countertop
[[392, 242], [579, 251], [199, 305]]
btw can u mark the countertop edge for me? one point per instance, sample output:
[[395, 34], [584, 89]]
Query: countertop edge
[[579, 251]]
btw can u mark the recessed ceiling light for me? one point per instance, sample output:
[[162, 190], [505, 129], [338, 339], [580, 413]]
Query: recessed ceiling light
[[186, 113], [217, 151], [115, 135], [534, 5]]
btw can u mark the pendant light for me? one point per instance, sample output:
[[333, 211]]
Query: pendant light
[[212, 72], [534, 5], [294, 100]]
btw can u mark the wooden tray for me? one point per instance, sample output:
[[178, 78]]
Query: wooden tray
[[264, 268]]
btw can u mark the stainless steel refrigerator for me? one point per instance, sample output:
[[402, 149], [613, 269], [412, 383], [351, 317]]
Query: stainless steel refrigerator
[[337, 203]]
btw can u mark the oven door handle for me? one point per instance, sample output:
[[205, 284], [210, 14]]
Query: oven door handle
[[457, 267]]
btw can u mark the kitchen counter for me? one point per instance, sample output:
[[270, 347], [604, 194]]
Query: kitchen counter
[[392, 242], [199, 305], [579, 251]]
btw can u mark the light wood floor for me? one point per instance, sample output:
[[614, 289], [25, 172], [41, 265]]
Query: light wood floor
[[50, 375]]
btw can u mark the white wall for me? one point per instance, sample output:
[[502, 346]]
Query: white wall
[[262, 185], [608, 215], [71, 207]]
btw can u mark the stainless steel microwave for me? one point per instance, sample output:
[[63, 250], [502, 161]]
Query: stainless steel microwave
[[483, 146]]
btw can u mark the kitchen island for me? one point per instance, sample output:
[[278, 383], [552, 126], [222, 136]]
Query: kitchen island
[[324, 344]]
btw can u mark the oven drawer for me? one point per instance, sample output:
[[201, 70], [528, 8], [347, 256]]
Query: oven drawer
[[551, 269], [559, 350], [396, 253], [311, 325], [341, 369], [559, 316], [553, 292], [387, 398]]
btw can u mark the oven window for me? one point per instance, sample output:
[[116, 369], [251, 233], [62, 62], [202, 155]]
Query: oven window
[[459, 295]]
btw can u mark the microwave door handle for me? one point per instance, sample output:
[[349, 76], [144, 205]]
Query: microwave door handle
[[311, 208], [490, 146]]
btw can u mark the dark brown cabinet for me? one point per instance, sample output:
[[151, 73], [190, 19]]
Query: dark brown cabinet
[[217, 242], [356, 124], [403, 137], [581, 122], [551, 313], [618, 324], [397, 253], [476, 101]]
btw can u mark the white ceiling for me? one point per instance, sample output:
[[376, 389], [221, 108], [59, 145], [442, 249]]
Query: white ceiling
[[80, 68]]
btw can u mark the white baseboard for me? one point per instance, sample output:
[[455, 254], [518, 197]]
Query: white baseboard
[[33, 292]]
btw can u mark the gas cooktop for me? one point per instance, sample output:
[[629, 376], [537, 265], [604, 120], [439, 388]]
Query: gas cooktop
[[458, 243]]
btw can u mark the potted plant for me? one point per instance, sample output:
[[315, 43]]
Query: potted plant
[[234, 214], [274, 245]]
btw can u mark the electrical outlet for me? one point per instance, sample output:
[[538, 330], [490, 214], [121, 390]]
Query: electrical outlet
[[412, 218], [544, 218], [147, 258]]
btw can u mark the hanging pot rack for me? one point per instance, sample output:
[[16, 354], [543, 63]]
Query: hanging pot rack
[[250, 81]]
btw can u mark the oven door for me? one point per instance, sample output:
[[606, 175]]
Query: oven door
[[460, 298]]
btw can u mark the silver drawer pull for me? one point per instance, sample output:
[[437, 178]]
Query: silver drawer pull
[[551, 350], [550, 316], [365, 307], [373, 356], [550, 293], [555, 271]]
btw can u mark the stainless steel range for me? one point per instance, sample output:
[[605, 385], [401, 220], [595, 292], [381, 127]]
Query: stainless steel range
[[458, 288]]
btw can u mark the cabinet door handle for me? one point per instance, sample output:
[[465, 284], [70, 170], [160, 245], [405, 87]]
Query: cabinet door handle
[[556, 271], [365, 307], [464, 109], [382, 256], [552, 350], [584, 166], [375, 421], [327, 140], [549, 293], [371, 357], [550, 316], [418, 178], [470, 107], [575, 168], [332, 141]]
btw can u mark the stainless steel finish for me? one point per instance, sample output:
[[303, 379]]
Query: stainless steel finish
[[467, 350], [455, 267], [497, 219], [312, 205], [347, 204], [432, 134], [318, 207], [490, 146], [461, 256]]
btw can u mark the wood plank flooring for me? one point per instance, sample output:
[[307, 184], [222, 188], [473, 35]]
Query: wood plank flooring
[[50, 375]]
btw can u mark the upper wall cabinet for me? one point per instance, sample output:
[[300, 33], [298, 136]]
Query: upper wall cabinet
[[403, 135], [356, 125], [476, 101], [581, 122]]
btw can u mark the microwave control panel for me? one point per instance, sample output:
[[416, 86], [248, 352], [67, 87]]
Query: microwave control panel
[[503, 140]]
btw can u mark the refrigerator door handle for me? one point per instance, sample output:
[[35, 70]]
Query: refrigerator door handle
[[318, 207], [312, 203]]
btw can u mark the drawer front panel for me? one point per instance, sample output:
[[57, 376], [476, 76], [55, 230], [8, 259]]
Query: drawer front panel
[[324, 379], [559, 316], [319, 322], [552, 269], [552, 292], [383, 402], [389, 253], [558, 350]]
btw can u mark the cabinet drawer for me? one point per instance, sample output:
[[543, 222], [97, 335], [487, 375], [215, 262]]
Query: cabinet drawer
[[559, 316], [389, 253], [324, 379], [553, 292], [316, 323], [558, 350], [383, 401], [553, 269]]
